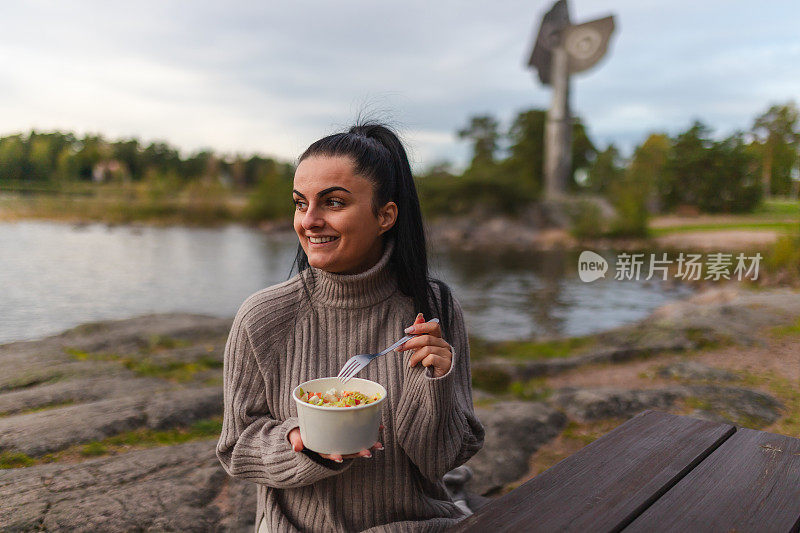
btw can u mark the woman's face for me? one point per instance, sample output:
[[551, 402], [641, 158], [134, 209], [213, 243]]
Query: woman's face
[[331, 201]]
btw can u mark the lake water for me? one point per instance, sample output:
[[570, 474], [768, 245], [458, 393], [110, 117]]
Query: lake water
[[55, 276]]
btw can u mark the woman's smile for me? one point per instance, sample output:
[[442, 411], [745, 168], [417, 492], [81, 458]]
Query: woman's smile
[[319, 242]]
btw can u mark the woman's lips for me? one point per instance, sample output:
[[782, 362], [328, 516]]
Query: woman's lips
[[321, 244]]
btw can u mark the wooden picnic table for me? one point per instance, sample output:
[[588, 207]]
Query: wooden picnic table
[[659, 472]]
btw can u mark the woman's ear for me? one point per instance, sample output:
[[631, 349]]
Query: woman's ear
[[387, 216]]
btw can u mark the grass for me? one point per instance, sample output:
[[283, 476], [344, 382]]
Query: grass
[[778, 207], [480, 348], [784, 227], [120, 210], [774, 214], [15, 460], [587, 433], [157, 343], [32, 379], [45, 407], [786, 392], [131, 440], [178, 371], [534, 390], [573, 437], [693, 402], [788, 330]]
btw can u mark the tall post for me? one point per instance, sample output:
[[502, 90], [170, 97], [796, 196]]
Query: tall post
[[558, 129], [560, 50]]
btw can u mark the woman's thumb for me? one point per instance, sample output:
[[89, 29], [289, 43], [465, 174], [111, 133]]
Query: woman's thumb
[[420, 319]]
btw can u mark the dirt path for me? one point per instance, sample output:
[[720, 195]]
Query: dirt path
[[739, 240]]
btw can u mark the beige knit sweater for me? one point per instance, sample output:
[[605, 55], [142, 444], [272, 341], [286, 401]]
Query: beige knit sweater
[[281, 338]]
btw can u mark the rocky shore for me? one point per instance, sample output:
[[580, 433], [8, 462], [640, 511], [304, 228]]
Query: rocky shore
[[111, 426]]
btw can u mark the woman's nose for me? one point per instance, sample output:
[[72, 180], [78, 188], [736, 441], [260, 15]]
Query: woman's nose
[[312, 219]]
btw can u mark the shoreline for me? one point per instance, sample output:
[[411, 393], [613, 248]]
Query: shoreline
[[494, 232]]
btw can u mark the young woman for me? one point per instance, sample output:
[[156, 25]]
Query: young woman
[[362, 281]]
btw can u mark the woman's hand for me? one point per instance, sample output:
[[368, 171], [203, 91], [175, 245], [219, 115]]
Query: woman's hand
[[297, 445], [429, 347]]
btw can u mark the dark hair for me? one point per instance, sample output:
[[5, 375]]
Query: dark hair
[[378, 155]]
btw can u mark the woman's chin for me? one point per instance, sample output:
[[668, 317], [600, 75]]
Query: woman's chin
[[319, 261]]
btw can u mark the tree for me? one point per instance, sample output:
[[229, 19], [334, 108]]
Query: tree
[[482, 131], [129, 154], [713, 176], [607, 169], [526, 151], [634, 191], [583, 152], [525, 162], [271, 199], [778, 139], [12, 158], [647, 166]]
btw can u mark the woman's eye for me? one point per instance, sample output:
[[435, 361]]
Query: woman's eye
[[335, 202], [298, 204]]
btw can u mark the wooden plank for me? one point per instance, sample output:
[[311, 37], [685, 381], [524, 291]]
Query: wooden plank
[[607, 484], [750, 483]]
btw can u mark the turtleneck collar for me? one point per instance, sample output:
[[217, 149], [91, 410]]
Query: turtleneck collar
[[354, 290]]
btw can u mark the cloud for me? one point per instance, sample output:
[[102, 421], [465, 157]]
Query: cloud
[[273, 77]]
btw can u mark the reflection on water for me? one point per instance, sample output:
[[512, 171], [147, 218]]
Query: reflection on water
[[55, 276], [517, 295]]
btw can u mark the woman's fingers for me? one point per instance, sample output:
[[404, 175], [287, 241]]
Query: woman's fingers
[[423, 340], [295, 440], [424, 327], [431, 354], [363, 453]]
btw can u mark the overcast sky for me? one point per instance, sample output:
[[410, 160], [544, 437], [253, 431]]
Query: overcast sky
[[272, 77]]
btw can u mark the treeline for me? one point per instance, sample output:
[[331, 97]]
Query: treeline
[[690, 170], [63, 157], [153, 172]]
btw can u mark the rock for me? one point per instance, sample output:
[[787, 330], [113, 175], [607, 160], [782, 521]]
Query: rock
[[607, 402], [514, 430], [177, 488], [692, 370], [48, 431], [54, 429], [496, 373], [174, 408], [746, 407], [76, 390], [131, 335], [710, 417], [729, 314], [486, 231]]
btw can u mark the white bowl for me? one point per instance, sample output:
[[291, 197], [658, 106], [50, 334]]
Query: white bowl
[[339, 430]]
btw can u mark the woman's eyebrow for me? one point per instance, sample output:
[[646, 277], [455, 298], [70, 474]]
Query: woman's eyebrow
[[323, 192]]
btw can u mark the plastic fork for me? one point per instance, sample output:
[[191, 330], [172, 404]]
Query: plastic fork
[[355, 364]]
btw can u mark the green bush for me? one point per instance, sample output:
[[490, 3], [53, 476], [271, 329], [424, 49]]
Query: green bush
[[714, 176], [784, 256], [587, 220], [271, 199]]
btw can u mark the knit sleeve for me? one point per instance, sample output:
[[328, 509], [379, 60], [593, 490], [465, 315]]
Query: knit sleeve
[[436, 423], [253, 444]]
